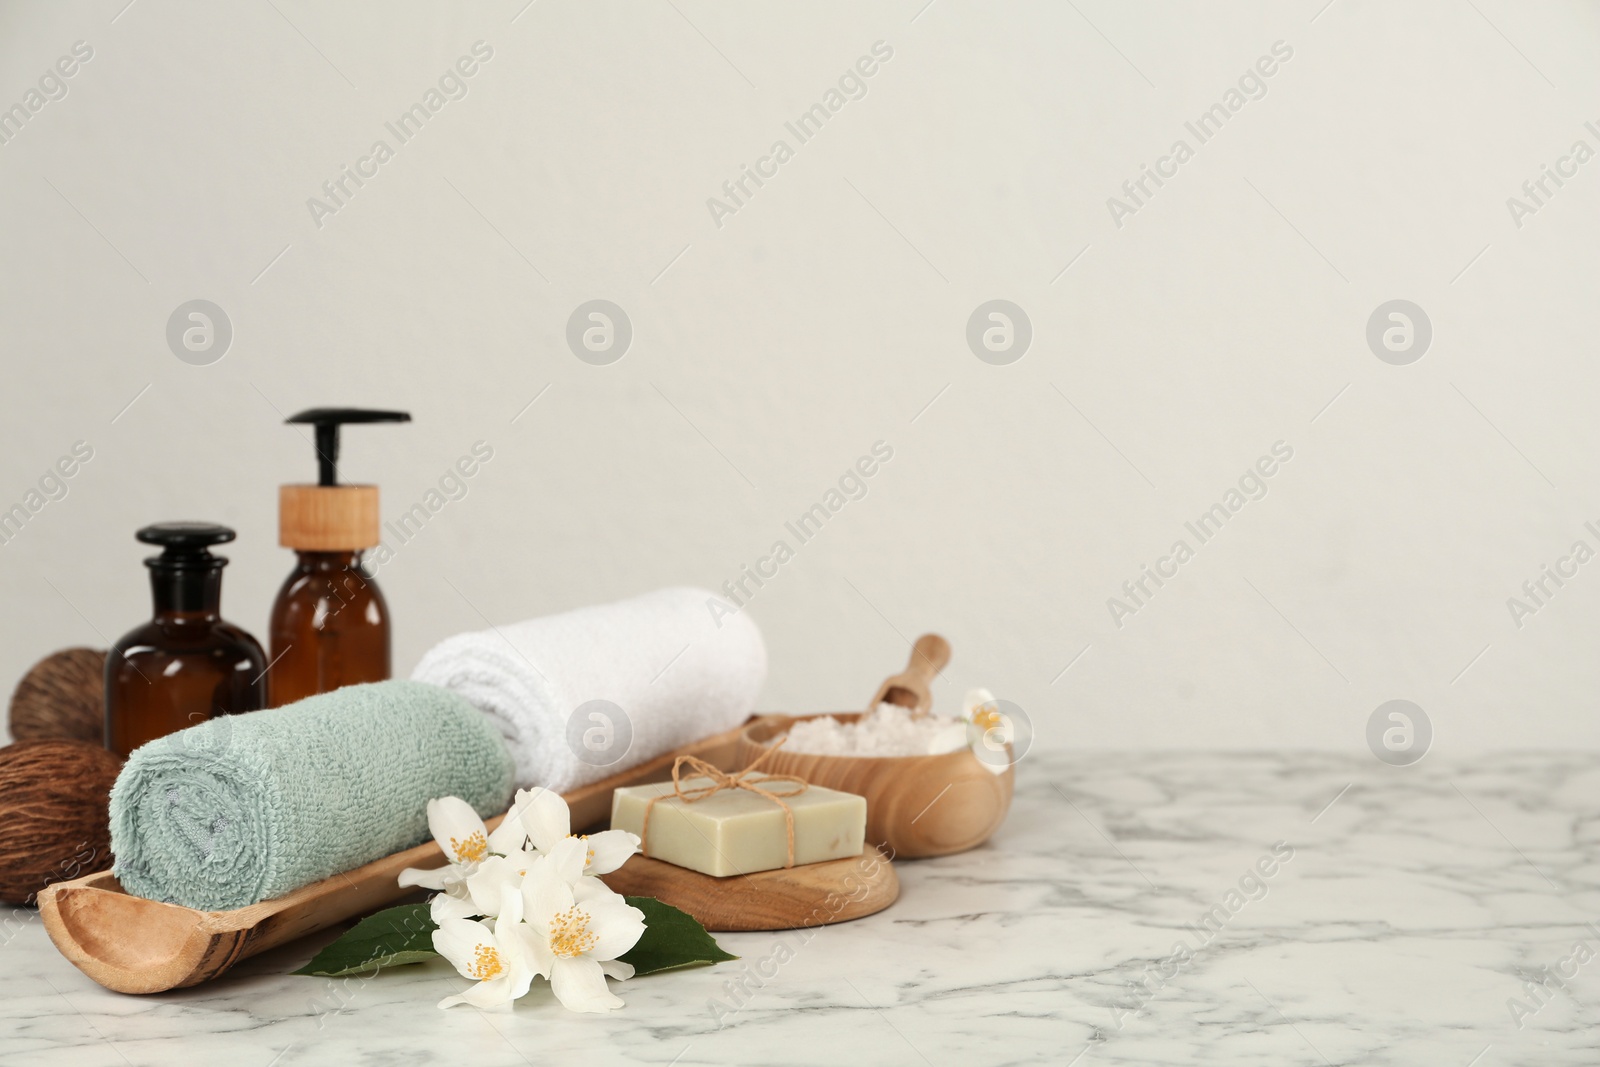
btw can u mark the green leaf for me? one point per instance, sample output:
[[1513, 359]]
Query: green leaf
[[398, 936], [391, 938], [672, 939]]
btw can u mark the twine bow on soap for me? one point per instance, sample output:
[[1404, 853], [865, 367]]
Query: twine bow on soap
[[721, 780]]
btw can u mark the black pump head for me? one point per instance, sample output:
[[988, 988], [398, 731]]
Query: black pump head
[[327, 421]]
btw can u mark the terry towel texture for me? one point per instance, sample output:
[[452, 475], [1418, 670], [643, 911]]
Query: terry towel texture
[[660, 658], [244, 808]]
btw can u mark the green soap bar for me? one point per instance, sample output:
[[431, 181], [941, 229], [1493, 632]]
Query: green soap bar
[[735, 831]]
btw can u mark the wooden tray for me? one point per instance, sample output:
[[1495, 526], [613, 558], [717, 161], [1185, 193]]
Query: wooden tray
[[133, 945], [810, 895]]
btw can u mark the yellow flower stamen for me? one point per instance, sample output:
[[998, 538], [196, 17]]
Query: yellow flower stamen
[[986, 717], [473, 849], [570, 935], [589, 858], [486, 964]]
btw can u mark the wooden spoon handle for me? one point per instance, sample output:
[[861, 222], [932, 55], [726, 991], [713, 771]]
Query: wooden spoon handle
[[929, 655]]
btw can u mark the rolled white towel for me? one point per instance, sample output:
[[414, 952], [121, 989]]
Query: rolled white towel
[[587, 693]]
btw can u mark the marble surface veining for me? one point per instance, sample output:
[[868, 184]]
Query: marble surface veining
[[1135, 909]]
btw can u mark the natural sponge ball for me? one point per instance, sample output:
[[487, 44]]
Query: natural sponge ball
[[54, 823], [62, 696]]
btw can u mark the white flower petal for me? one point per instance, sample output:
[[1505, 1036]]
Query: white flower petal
[[510, 908], [975, 699], [511, 836], [458, 940], [546, 893], [580, 985], [486, 881], [436, 879], [508, 837], [545, 816], [616, 925], [514, 949], [569, 856], [495, 993], [458, 830], [609, 849], [617, 969], [448, 906], [536, 949], [592, 889]]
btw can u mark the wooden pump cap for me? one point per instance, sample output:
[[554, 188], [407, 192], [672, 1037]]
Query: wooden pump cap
[[328, 518]]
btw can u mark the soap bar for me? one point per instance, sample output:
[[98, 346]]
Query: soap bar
[[735, 831]]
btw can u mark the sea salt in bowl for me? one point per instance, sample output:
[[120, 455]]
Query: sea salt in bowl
[[916, 805], [890, 731]]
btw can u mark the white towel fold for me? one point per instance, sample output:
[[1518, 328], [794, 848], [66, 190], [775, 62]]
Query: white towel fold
[[587, 693]]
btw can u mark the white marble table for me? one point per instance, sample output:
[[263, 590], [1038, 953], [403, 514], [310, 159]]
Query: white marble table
[[1404, 927]]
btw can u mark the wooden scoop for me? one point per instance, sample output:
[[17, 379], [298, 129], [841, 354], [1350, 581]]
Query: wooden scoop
[[911, 688], [134, 945]]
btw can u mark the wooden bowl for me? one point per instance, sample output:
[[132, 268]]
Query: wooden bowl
[[916, 805]]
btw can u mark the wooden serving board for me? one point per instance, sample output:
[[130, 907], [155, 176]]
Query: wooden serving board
[[133, 945], [810, 895]]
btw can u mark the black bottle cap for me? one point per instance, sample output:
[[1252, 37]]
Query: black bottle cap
[[185, 544], [327, 421]]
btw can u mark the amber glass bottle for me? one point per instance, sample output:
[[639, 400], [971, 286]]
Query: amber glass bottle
[[186, 664], [330, 628], [330, 624]]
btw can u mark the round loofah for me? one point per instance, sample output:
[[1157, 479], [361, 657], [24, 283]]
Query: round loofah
[[54, 816], [62, 697]]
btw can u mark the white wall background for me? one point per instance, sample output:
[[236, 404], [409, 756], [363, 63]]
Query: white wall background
[[826, 315]]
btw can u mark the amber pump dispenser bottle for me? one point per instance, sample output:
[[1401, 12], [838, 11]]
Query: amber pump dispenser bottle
[[330, 625], [186, 664]]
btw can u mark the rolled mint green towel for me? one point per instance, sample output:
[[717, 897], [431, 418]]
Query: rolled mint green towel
[[244, 808]]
